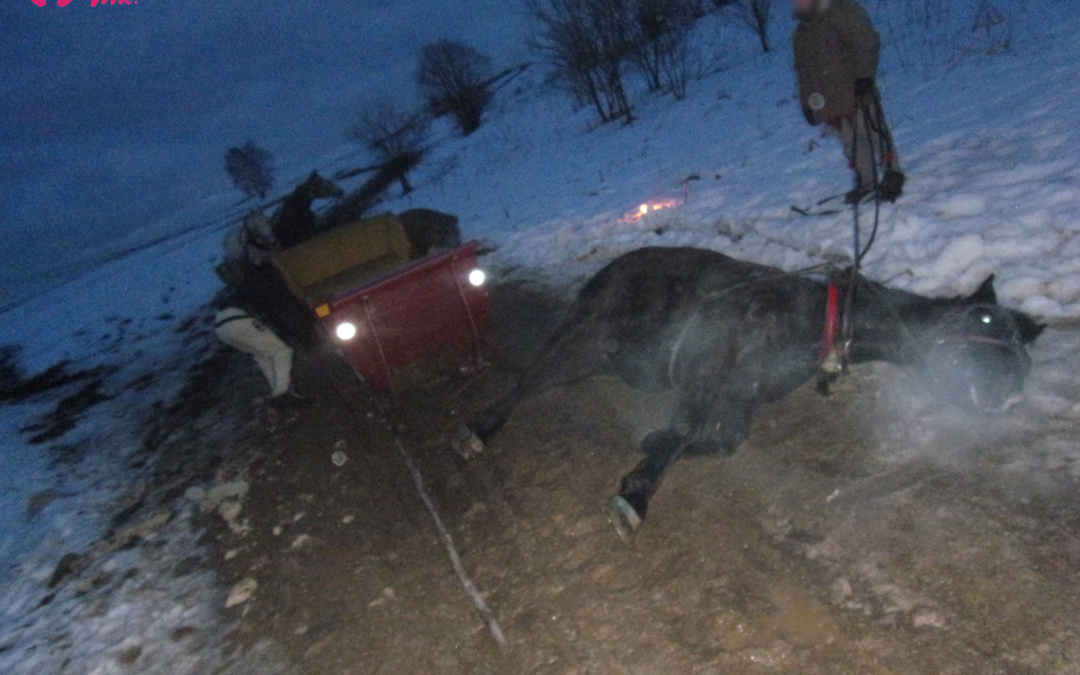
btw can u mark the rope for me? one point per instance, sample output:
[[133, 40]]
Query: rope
[[887, 148], [869, 128], [473, 593], [478, 601], [860, 252]]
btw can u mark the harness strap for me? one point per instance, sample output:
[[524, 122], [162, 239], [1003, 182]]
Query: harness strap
[[831, 359], [231, 319], [980, 339]]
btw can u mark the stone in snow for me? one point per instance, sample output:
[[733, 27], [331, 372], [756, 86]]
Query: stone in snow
[[241, 592]]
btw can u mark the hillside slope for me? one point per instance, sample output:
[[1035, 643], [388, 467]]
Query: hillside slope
[[990, 146]]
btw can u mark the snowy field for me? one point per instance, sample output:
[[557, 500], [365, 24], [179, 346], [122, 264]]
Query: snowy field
[[990, 146], [61, 500]]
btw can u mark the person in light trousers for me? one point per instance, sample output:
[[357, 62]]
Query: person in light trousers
[[260, 316], [240, 330]]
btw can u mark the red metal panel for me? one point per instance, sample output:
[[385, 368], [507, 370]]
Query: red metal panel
[[425, 310]]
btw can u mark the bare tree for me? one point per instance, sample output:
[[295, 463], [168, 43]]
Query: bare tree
[[251, 169], [660, 51], [453, 77], [11, 374], [926, 35], [395, 137], [755, 15], [991, 28], [588, 43], [680, 66]]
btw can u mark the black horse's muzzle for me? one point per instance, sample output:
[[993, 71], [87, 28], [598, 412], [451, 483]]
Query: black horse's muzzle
[[979, 371]]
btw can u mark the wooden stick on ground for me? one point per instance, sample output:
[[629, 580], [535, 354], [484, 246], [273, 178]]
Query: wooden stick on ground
[[448, 542]]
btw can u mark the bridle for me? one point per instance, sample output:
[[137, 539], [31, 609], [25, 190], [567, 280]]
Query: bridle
[[994, 311], [838, 334]]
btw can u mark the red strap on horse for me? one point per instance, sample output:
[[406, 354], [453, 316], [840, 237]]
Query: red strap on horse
[[830, 357]]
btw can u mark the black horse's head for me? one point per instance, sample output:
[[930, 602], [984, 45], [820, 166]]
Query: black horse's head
[[976, 357], [318, 187]]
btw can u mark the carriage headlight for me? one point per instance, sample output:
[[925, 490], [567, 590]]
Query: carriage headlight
[[346, 331], [477, 278]]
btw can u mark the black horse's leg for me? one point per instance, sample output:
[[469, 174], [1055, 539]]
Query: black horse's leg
[[574, 354], [700, 427], [627, 509]]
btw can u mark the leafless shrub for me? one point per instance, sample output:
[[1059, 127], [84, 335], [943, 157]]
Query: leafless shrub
[[453, 77], [587, 43], [11, 374], [395, 137], [755, 15], [991, 30], [251, 169], [661, 50], [928, 34]]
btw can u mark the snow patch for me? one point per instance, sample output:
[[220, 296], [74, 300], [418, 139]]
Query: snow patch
[[961, 206], [957, 256]]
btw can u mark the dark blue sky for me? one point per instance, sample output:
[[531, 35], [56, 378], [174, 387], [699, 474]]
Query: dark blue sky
[[115, 118]]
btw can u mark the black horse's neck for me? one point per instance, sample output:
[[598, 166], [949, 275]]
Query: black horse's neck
[[888, 324], [295, 221], [301, 198]]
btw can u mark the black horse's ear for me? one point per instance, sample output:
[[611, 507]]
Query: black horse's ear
[[985, 294], [314, 175], [1028, 328]]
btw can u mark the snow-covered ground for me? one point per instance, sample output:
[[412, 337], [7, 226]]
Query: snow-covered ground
[[990, 146], [130, 609]]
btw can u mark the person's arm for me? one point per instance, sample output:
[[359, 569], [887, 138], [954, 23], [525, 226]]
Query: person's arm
[[861, 39]]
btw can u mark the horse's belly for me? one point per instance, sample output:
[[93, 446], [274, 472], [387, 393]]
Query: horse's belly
[[644, 370], [786, 375]]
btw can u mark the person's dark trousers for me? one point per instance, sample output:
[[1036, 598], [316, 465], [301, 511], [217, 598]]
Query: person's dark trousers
[[868, 145]]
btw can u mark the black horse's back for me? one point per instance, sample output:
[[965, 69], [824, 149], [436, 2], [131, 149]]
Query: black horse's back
[[643, 274]]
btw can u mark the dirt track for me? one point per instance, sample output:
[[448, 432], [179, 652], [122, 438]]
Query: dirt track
[[834, 542]]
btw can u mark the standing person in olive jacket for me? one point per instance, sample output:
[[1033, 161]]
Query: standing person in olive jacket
[[836, 61]]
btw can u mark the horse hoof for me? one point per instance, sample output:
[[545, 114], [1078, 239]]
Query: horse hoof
[[625, 519], [466, 443]]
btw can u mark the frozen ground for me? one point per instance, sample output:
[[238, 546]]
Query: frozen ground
[[92, 546], [991, 150]]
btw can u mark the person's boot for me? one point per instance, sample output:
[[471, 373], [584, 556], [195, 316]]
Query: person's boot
[[295, 395], [892, 186], [857, 195]]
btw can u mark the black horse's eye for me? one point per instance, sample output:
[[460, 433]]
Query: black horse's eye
[[986, 318]]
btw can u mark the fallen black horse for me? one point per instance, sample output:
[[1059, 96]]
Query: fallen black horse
[[729, 335]]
